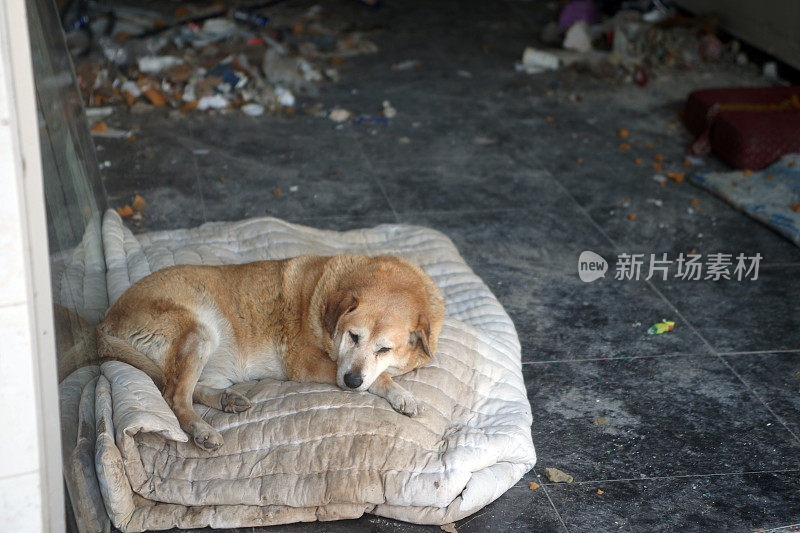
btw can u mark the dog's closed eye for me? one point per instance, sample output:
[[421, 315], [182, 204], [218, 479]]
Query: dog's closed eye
[[353, 337], [383, 350]]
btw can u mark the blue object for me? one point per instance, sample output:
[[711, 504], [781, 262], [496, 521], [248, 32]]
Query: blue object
[[255, 19], [767, 195], [366, 119]]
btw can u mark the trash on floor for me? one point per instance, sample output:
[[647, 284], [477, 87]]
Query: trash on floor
[[599, 421], [211, 59], [661, 327], [535, 61], [134, 210], [408, 64], [338, 114], [557, 476], [533, 486], [387, 109], [632, 44]]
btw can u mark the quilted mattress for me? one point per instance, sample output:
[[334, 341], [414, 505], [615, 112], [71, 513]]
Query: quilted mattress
[[304, 451]]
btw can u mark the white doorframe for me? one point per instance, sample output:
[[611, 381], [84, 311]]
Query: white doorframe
[[22, 156]]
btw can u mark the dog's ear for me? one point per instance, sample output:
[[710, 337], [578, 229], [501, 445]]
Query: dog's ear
[[422, 334], [339, 304]]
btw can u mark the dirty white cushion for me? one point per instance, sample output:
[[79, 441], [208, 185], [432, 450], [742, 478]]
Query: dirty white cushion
[[307, 451]]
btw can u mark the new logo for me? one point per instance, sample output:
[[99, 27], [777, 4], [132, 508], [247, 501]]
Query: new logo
[[591, 266]]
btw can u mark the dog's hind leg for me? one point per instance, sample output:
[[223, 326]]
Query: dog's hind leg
[[188, 356], [227, 400]]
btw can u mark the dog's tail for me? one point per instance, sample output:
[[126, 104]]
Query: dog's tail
[[110, 348]]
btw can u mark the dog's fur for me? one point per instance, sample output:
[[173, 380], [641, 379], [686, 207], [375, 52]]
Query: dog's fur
[[348, 320]]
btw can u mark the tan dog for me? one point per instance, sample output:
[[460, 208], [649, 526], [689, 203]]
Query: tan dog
[[348, 320]]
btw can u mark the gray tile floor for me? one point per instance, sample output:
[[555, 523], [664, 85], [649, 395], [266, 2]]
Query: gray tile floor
[[703, 422]]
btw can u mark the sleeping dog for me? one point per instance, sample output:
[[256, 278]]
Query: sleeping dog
[[348, 320]]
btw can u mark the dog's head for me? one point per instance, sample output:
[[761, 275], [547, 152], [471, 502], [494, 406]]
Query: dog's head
[[387, 319]]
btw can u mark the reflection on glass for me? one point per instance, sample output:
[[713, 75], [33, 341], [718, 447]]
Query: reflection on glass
[[75, 200]]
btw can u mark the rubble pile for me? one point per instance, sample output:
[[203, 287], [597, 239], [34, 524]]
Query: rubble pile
[[212, 58], [640, 38]]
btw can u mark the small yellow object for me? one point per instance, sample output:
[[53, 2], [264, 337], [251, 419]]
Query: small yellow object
[[599, 491], [533, 486], [661, 327]]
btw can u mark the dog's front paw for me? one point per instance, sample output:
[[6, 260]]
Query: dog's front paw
[[233, 402], [206, 437], [403, 402]]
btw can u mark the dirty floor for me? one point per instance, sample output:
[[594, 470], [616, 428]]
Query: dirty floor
[[702, 423]]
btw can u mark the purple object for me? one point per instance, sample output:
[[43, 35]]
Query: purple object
[[576, 11]]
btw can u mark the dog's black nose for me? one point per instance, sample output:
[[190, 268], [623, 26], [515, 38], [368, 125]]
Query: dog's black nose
[[353, 381]]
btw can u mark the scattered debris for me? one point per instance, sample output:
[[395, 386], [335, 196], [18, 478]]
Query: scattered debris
[[204, 55], [276, 191], [710, 48], [661, 327], [599, 421], [408, 64], [388, 110], [134, 210], [339, 115], [770, 71], [533, 486], [677, 177], [138, 204], [623, 133], [449, 528], [600, 492], [535, 61], [577, 38], [632, 216], [634, 43], [216, 101], [253, 110], [157, 64], [554, 475], [640, 76], [111, 133], [368, 119], [578, 11], [655, 201]]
